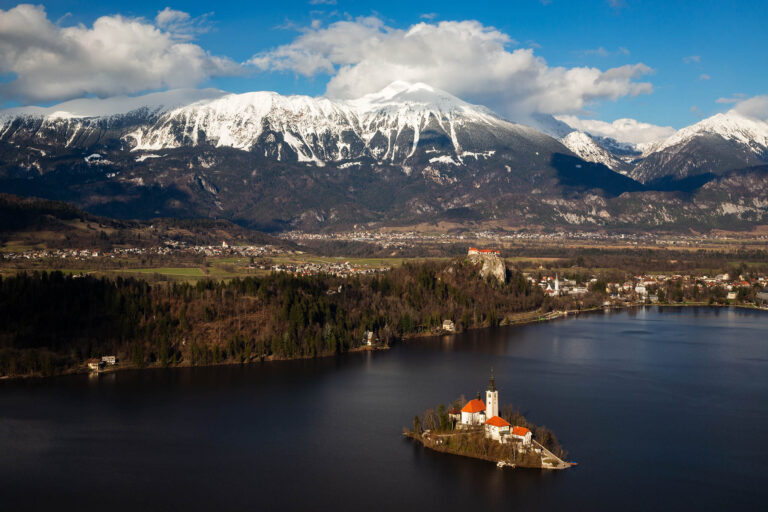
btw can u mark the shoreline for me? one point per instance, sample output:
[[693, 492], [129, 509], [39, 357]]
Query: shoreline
[[519, 319], [557, 464]]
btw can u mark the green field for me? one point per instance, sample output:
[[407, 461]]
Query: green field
[[166, 271]]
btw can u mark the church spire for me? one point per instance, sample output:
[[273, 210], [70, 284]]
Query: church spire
[[491, 398]]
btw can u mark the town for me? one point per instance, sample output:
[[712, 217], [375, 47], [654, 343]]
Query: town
[[661, 288], [396, 239]]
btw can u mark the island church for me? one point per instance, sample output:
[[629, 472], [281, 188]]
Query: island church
[[476, 414]]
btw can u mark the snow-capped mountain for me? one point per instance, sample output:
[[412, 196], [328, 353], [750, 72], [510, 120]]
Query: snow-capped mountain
[[712, 146], [407, 153], [402, 124]]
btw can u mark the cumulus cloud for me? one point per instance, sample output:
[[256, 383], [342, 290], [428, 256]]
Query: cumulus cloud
[[117, 55], [704, 76], [465, 58], [755, 107], [623, 130], [692, 59]]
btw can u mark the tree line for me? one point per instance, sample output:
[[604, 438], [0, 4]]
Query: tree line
[[51, 322]]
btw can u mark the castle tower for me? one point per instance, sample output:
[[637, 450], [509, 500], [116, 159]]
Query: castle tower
[[491, 398]]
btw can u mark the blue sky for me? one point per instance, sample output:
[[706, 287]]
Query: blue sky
[[696, 52]]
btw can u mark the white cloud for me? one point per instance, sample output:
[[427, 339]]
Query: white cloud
[[755, 107], [322, 2], [623, 130], [466, 58], [180, 24], [603, 52], [117, 55], [692, 59], [695, 110], [735, 99], [704, 76]]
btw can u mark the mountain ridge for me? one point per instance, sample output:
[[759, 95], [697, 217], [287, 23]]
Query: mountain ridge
[[407, 153]]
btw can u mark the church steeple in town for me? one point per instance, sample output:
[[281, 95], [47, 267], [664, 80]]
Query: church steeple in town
[[492, 382]]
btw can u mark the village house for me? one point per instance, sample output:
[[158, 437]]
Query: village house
[[95, 364], [110, 360], [522, 434], [449, 326], [369, 338], [497, 428]]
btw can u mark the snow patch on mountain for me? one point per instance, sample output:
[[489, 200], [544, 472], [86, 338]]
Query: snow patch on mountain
[[586, 148]]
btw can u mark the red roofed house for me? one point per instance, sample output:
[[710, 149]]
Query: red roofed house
[[473, 413], [523, 434], [496, 428]]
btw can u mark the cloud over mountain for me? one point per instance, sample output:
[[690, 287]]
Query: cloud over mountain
[[755, 107], [622, 130], [466, 58], [116, 55]]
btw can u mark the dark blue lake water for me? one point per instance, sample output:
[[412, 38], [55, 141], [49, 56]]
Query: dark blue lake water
[[663, 409]]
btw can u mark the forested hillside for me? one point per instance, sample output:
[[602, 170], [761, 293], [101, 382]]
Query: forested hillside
[[50, 323]]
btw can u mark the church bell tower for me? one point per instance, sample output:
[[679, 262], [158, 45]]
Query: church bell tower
[[492, 398]]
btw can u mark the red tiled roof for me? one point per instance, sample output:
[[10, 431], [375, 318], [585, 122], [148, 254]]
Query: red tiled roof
[[474, 406], [497, 422], [520, 431]]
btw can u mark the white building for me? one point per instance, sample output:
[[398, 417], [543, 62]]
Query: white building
[[473, 413], [497, 428], [522, 434], [369, 338]]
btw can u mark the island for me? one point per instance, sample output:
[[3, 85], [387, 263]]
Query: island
[[476, 429]]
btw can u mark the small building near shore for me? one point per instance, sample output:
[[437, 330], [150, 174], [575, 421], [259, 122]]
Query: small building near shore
[[449, 326], [497, 428], [369, 338], [110, 360], [95, 364], [522, 434]]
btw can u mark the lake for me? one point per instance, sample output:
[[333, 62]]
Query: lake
[[662, 408]]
